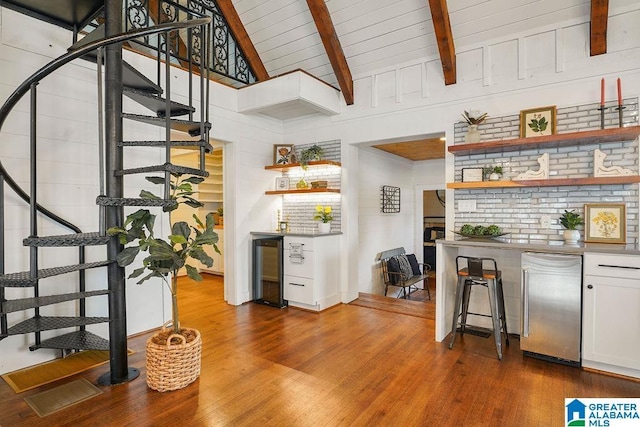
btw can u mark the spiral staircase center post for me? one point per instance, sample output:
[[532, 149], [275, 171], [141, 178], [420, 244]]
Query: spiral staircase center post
[[114, 215]]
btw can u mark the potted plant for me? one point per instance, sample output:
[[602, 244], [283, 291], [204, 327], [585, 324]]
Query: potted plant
[[492, 173], [323, 214], [571, 220], [310, 154], [220, 212], [473, 119], [173, 354]]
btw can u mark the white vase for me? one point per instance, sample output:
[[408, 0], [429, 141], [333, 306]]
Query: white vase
[[494, 177], [571, 236], [324, 227], [472, 135]]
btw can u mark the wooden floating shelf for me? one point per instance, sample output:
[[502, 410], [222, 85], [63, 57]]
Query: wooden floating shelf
[[303, 191], [609, 180], [318, 163], [550, 141]]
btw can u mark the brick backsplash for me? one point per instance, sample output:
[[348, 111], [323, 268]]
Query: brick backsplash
[[300, 209], [518, 211]]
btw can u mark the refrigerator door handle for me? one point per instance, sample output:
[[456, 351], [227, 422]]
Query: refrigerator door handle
[[525, 302]]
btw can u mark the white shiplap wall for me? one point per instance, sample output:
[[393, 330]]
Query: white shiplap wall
[[526, 68], [67, 181]]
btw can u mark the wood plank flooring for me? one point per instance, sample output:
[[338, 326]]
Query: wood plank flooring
[[348, 366]]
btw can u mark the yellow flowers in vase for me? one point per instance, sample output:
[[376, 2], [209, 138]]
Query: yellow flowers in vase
[[323, 214]]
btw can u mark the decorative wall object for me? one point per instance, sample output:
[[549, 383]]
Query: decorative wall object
[[282, 183], [472, 174], [283, 154], [605, 223], [538, 122], [599, 169], [390, 199], [541, 173]]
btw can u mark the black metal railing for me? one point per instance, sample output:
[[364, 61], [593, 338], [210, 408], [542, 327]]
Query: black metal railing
[[226, 57], [29, 86]]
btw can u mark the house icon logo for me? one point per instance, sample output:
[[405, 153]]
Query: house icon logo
[[576, 413]]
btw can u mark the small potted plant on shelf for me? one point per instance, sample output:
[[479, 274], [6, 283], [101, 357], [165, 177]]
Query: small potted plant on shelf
[[313, 153], [173, 354], [492, 173], [220, 212], [571, 220]]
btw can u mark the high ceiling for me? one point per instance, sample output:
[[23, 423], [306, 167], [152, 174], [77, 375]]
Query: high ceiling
[[374, 34], [377, 34], [338, 41]]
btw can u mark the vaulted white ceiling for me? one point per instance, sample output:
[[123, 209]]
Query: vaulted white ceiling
[[375, 34]]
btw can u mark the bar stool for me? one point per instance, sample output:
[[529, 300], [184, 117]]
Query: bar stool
[[473, 274]]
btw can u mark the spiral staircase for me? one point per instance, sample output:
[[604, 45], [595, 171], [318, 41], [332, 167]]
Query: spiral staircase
[[121, 79]]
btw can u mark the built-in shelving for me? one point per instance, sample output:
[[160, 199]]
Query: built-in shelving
[[311, 165], [210, 190], [574, 139], [303, 191], [599, 136], [610, 180], [319, 163]]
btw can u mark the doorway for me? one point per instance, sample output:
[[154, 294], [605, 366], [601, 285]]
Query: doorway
[[433, 223]]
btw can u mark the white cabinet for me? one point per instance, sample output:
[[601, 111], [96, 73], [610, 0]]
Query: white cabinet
[[311, 271], [611, 313]]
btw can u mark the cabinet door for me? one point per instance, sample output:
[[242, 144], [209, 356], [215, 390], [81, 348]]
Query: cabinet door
[[611, 321]]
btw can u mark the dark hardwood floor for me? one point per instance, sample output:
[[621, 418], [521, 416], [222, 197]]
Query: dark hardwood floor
[[350, 365]]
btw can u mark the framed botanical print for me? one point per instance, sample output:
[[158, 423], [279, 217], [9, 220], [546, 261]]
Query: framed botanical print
[[538, 122], [283, 154], [605, 223]]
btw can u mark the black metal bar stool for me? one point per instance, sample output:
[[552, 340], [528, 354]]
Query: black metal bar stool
[[475, 273]]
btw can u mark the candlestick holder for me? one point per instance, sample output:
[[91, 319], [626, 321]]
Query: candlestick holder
[[620, 108], [601, 109]]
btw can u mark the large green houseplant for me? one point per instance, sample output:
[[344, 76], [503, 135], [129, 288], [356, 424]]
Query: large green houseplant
[[163, 260]]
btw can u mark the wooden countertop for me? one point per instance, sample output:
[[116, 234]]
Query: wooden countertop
[[542, 246]]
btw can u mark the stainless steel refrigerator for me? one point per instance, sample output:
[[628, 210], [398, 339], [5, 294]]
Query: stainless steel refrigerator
[[551, 307]]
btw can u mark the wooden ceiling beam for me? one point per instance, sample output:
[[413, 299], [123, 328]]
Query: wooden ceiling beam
[[599, 18], [442, 28], [327, 31], [243, 40]]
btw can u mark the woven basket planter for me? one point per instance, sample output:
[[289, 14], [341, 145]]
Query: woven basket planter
[[173, 366]]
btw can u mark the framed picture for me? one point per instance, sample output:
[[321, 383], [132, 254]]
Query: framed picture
[[283, 154], [605, 223], [471, 174], [282, 183], [538, 122]]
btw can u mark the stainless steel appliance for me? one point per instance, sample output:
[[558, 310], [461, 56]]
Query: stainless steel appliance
[[268, 272], [551, 306]]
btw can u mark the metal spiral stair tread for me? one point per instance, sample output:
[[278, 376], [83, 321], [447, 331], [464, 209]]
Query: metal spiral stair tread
[[24, 279], [79, 340], [156, 103], [187, 126], [124, 201], [29, 303], [167, 167], [48, 323], [78, 239], [182, 144]]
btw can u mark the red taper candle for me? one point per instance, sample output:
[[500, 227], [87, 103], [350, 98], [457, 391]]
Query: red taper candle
[[602, 92], [619, 92]]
